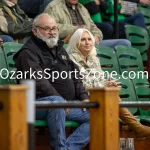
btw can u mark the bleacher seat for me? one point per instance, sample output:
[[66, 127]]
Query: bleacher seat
[[69, 124], [129, 59], [3, 65], [108, 59], [142, 89], [9, 49], [127, 92], [139, 39], [148, 29]]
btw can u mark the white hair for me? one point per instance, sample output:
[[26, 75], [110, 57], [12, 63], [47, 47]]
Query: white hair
[[75, 39], [37, 19]]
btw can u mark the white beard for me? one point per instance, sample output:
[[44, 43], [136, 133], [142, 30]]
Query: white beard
[[51, 41]]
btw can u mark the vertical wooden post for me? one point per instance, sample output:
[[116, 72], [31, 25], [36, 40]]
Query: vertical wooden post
[[105, 130], [13, 126]]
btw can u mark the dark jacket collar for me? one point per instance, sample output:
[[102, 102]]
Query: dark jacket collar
[[41, 44]]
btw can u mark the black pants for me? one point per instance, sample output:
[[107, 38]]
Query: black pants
[[107, 29]]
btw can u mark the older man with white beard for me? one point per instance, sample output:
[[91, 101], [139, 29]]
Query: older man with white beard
[[44, 55]]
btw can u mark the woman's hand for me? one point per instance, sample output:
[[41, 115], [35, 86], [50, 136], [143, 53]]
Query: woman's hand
[[111, 83], [146, 2]]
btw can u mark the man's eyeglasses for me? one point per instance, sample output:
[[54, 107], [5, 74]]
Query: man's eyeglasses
[[47, 29]]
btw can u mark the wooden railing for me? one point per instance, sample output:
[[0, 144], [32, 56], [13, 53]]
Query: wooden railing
[[104, 125]]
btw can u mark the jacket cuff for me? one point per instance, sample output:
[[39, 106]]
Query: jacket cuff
[[83, 97]]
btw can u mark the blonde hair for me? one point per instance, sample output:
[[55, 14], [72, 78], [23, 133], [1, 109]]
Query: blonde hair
[[75, 39]]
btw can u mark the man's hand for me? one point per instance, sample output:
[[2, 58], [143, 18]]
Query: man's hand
[[135, 10], [86, 100], [97, 41], [146, 2], [97, 2], [67, 111], [84, 109]]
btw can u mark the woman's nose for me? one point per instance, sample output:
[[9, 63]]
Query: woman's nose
[[87, 41]]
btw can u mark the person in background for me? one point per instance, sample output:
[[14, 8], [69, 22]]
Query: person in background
[[14, 21], [71, 15], [94, 11], [105, 10]]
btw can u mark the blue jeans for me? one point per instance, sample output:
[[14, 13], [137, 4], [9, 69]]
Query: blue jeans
[[56, 125], [116, 42], [136, 19], [6, 38]]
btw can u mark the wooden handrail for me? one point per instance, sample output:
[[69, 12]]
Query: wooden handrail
[[104, 124]]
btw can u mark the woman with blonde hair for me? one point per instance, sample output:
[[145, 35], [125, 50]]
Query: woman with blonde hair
[[82, 51]]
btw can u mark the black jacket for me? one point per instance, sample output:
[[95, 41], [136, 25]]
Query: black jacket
[[35, 54]]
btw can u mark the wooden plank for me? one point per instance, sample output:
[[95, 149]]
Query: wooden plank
[[104, 122], [13, 126]]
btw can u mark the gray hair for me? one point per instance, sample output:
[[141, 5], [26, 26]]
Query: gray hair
[[36, 20]]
